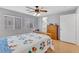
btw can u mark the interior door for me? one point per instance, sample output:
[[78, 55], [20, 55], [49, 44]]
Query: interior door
[[67, 28]]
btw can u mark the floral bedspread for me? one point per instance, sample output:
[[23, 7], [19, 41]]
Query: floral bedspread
[[26, 43]]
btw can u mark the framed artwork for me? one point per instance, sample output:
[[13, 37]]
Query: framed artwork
[[9, 22], [31, 25], [17, 22]]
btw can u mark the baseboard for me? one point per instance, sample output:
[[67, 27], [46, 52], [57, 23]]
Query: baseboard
[[69, 42]]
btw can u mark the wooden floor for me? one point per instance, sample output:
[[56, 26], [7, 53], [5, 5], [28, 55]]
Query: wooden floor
[[63, 47]]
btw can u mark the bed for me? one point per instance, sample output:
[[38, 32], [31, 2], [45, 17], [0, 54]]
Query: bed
[[26, 43]]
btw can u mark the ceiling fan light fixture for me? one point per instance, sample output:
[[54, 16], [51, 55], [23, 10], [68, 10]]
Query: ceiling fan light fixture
[[38, 14], [34, 14]]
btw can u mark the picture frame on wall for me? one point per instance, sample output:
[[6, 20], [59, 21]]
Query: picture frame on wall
[[17, 22], [31, 25], [9, 22]]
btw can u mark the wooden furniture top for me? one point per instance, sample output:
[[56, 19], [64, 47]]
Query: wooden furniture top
[[49, 34]]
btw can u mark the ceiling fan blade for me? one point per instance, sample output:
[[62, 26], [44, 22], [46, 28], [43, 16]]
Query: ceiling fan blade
[[30, 8], [43, 11], [30, 11]]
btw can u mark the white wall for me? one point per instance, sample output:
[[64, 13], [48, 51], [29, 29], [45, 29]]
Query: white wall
[[26, 19], [54, 19]]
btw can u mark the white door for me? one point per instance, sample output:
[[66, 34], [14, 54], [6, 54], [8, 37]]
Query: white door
[[67, 28]]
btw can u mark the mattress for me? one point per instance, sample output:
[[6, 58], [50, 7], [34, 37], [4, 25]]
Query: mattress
[[26, 43]]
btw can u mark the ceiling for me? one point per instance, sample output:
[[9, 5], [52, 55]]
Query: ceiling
[[51, 9]]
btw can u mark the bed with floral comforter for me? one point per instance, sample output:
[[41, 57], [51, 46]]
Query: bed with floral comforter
[[26, 43]]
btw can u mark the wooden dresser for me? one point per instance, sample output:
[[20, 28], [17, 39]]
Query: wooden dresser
[[53, 30]]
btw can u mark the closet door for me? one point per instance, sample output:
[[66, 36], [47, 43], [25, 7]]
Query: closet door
[[77, 35], [67, 28]]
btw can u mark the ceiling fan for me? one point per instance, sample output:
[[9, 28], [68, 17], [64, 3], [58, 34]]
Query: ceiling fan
[[37, 10]]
